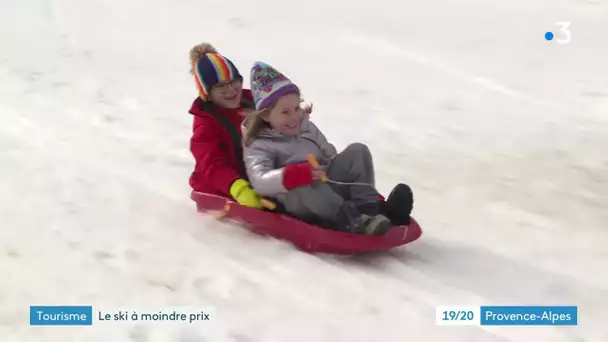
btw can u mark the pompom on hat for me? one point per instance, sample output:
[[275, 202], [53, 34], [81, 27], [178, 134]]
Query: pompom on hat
[[210, 68], [268, 84]]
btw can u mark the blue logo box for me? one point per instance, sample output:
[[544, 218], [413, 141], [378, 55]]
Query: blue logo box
[[61, 315], [529, 315]]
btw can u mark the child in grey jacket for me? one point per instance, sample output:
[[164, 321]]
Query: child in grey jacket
[[277, 141]]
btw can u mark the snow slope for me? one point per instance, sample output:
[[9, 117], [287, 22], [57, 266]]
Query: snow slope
[[502, 135]]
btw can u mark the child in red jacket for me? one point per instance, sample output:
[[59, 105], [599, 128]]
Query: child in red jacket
[[219, 112]]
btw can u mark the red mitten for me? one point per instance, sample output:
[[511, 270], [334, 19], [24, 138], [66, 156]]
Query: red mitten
[[297, 175]]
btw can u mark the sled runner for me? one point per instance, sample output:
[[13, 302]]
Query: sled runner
[[305, 236]]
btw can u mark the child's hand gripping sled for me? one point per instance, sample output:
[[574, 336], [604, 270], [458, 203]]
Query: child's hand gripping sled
[[313, 161]]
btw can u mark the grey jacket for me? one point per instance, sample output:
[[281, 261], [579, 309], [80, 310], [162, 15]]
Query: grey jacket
[[269, 153]]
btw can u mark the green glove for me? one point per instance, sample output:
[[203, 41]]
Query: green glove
[[244, 195]]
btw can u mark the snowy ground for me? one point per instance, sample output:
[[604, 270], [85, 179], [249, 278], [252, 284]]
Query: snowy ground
[[502, 135]]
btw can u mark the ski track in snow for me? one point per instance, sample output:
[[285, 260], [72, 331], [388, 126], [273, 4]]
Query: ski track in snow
[[502, 135]]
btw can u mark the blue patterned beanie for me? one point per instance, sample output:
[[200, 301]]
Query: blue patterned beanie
[[268, 84]]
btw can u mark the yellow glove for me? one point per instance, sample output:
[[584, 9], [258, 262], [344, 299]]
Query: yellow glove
[[244, 195]]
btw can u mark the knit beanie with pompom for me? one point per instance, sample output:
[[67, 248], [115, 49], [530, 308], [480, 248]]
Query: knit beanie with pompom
[[268, 85], [210, 68]]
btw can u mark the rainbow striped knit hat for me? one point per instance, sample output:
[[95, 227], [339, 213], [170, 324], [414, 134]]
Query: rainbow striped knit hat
[[212, 69]]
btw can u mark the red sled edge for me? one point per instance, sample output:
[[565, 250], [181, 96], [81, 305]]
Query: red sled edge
[[304, 236]]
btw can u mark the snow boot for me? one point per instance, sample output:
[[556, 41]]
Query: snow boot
[[399, 204], [351, 220], [373, 225]]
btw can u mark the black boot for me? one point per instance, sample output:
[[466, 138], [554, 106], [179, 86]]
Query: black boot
[[399, 204]]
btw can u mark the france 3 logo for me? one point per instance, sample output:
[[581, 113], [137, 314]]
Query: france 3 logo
[[565, 35]]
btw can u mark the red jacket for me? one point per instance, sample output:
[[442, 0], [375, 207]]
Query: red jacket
[[216, 163]]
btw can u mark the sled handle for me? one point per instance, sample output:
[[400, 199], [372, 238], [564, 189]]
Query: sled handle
[[314, 162], [268, 204], [228, 206]]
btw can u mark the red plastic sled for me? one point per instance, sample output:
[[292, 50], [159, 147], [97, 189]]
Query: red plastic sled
[[304, 236]]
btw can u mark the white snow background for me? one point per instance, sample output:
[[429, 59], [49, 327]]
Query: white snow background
[[502, 135]]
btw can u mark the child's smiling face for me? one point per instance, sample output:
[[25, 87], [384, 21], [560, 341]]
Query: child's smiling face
[[286, 115], [228, 94]]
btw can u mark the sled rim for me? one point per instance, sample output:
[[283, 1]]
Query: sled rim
[[305, 236]]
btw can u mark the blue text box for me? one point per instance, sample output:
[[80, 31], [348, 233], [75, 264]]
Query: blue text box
[[529, 315], [61, 315]]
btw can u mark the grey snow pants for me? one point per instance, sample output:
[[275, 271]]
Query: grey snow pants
[[325, 200]]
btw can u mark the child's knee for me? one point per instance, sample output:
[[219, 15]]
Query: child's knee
[[358, 148]]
